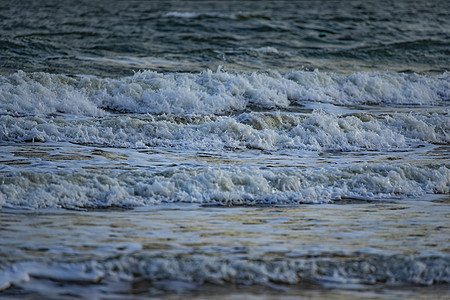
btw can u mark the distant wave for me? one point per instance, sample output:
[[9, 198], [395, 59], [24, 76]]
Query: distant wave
[[197, 15], [266, 50], [191, 15]]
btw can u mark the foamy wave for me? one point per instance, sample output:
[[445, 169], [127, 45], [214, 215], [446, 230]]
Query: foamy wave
[[212, 92], [43, 94], [225, 186], [197, 270], [264, 50], [193, 15], [370, 88], [196, 15], [318, 131]]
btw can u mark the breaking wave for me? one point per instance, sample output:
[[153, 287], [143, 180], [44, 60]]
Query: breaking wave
[[209, 92]]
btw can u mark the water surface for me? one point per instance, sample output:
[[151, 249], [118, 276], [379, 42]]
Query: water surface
[[224, 149]]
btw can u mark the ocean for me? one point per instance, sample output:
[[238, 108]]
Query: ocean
[[225, 149]]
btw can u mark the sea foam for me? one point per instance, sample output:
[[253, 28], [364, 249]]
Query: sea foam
[[210, 92], [199, 269], [216, 15], [222, 185], [318, 131]]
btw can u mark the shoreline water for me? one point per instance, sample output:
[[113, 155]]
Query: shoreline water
[[106, 192], [224, 149], [324, 246]]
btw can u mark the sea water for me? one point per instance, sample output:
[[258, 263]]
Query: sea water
[[224, 149]]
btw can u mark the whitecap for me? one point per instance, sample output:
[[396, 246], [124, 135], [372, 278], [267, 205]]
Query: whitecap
[[211, 92], [227, 185]]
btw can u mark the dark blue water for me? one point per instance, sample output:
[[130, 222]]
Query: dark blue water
[[114, 38]]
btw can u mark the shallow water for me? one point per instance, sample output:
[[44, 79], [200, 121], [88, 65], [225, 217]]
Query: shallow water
[[224, 149], [358, 249]]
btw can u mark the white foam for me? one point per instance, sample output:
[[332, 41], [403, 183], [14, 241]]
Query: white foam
[[218, 15], [228, 185], [197, 270], [212, 92], [266, 50], [370, 88], [42, 94], [12, 276], [318, 131], [194, 15]]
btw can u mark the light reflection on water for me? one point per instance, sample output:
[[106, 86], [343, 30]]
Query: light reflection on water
[[326, 240], [63, 155], [329, 232]]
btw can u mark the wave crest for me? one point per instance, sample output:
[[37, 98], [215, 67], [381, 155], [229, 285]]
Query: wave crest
[[210, 92]]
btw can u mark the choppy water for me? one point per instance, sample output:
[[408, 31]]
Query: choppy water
[[227, 149]]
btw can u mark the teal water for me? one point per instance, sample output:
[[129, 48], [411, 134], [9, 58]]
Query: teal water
[[113, 39]]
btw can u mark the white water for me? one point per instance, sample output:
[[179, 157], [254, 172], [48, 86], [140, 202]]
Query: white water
[[182, 152], [210, 92]]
